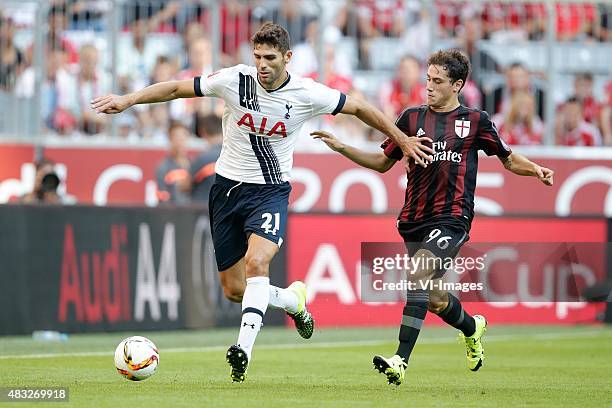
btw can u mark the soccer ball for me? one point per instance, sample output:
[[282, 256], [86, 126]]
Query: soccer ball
[[136, 358]]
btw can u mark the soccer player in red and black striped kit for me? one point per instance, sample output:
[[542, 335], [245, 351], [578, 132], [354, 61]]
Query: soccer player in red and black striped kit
[[439, 203]]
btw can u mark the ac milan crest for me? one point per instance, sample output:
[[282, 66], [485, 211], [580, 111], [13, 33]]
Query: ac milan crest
[[462, 128]]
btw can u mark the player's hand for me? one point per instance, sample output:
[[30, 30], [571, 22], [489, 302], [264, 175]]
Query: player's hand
[[545, 175], [111, 103], [329, 139], [415, 148]]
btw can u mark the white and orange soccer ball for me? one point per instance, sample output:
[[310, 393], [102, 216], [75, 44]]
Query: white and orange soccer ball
[[136, 358]]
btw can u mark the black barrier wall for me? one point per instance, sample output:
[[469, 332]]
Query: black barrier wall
[[78, 269]]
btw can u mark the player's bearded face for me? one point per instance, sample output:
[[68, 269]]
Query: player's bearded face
[[271, 65]]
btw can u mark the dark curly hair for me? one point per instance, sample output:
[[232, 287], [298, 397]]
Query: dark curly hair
[[454, 62], [274, 35]]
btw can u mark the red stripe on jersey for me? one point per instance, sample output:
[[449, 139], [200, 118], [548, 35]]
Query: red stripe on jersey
[[426, 183], [412, 122], [470, 161], [440, 197]]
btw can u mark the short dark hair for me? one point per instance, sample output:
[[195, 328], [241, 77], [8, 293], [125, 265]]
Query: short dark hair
[[174, 125], [574, 99], [454, 62], [517, 64], [209, 125], [42, 162], [274, 35]]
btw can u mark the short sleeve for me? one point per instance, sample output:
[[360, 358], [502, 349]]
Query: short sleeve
[[325, 100], [489, 140], [391, 150], [213, 84]]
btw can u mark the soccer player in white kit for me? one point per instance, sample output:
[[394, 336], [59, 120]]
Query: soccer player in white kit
[[265, 109]]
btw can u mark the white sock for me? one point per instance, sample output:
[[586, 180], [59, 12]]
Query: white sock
[[254, 305], [283, 299]]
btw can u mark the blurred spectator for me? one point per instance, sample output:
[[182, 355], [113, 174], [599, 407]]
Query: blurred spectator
[[46, 183], [56, 39], [470, 32], [583, 91], [193, 32], [291, 14], [345, 127], [449, 17], [520, 125], [417, 35], [154, 119], [366, 19], [155, 126], [163, 20], [535, 20], [92, 82], [200, 63], [405, 89], [381, 17], [235, 27], [306, 55], [12, 60], [60, 104], [156, 15], [202, 171], [332, 78], [164, 70], [575, 21], [378, 18], [127, 127], [88, 14], [606, 116], [173, 171], [517, 80], [605, 17], [137, 60], [504, 22], [571, 128], [470, 95]]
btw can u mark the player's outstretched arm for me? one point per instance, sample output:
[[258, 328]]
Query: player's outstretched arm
[[412, 146], [375, 161], [160, 92], [521, 165]]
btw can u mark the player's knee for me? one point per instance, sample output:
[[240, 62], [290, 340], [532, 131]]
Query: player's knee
[[256, 265], [233, 293], [426, 265], [233, 289], [436, 306]]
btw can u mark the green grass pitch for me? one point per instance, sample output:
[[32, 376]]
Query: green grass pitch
[[524, 366]]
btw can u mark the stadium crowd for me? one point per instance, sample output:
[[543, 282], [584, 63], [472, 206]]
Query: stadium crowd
[[160, 40]]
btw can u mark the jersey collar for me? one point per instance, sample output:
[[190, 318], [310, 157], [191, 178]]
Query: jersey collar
[[276, 89]]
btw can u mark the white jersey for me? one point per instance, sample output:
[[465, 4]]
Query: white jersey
[[260, 127]]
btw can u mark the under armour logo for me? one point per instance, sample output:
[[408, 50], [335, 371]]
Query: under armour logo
[[288, 107], [246, 324], [247, 100]]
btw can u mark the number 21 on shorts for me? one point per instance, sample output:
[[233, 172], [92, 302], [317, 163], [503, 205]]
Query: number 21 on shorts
[[267, 225]]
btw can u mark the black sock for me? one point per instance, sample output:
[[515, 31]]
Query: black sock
[[457, 317], [412, 320]]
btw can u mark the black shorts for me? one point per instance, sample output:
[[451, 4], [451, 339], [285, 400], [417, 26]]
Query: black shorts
[[444, 240], [238, 210]]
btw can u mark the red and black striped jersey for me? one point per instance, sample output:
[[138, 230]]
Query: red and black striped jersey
[[446, 187]]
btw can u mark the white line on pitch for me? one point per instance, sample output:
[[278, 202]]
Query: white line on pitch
[[330, 344]]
